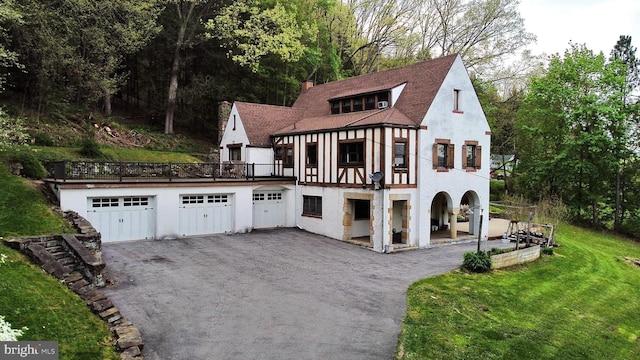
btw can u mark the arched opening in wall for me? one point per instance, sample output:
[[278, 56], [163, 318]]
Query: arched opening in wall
[[439, 214], [469, 215]]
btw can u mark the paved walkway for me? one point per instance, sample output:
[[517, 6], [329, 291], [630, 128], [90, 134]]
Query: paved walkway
[[276, 294]]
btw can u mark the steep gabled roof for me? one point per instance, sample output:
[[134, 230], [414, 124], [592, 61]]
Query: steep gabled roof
[[423, 80], [312, 111], [260, 121], [354, 119]]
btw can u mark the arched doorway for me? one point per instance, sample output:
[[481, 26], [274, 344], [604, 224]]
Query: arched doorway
[[470, 210], [440, 215]]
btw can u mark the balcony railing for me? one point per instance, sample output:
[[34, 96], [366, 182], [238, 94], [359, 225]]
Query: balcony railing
[[135, 171]]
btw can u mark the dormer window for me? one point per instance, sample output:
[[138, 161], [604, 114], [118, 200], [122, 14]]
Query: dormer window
[[357, 104], [346, 106], [335, 107], [370, 102], [354, 103]]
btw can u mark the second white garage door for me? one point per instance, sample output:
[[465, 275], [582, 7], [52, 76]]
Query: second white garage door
[[206, 214], [268, 209]]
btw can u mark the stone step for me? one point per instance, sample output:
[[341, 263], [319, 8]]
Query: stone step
[[59, 254], [65, 261], [55, 249], [52, 244]]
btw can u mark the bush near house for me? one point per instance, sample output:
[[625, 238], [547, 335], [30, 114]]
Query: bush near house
[[477, 262], [581, 303]]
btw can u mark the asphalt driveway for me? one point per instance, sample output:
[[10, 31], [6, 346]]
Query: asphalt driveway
[[276, 294]]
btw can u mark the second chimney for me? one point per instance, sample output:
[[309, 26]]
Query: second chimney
[[306, 85]]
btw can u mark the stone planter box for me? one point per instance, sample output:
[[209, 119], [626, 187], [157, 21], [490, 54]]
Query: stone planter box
[[515, 257]]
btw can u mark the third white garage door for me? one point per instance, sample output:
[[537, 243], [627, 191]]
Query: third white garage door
[[206, 214], [268, 209]]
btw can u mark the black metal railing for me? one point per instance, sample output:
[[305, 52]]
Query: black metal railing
[[122, 171]]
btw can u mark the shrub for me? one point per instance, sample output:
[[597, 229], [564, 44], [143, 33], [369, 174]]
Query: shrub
[[31, 166], [547, 250], [90, 148], [477, 261], [496, 190], [42, 139], [12, 130]]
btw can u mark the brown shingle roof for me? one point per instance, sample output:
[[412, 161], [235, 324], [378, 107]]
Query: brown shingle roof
[[423, 80], [312, 112], [360, 118], [260, 121]]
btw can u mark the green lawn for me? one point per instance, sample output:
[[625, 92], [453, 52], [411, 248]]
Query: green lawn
[[581, 303], [117, 154], [28, 296], [51, 312], [23, 211]]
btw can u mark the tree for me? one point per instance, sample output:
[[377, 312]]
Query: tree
[[501, 114], [189, 17], [379, 24], [573, 126], [483, 32], [250, 33], [624, 52], [82, 45], [9, 16]]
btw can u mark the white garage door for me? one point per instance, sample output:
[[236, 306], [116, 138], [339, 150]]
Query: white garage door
[[268, 209], [206, 214], [122, 218]]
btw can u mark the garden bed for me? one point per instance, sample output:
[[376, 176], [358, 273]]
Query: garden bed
[[515, 257]]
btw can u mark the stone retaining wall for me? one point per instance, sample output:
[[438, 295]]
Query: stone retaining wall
[[515, 257], [76, 260]]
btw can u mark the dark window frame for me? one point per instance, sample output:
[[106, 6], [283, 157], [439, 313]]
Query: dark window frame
[[456, 101], [288, 156], [235, 149], [335, 107], [405, 155], [312, 206], [345, 148], [472, 155], [277, 153], [312, 154], [443, 156]]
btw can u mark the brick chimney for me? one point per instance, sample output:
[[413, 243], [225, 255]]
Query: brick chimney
[[224, 110], [306, 85]]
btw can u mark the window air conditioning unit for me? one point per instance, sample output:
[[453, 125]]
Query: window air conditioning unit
[[383, 104]]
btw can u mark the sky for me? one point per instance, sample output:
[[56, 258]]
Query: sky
[[596, 23]]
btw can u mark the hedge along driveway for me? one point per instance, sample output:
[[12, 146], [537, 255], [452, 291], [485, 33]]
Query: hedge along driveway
[[276, 294]]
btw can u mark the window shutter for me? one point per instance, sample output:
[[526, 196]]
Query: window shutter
[[452, 152], [434, 156], [478, 156], [464, 157]]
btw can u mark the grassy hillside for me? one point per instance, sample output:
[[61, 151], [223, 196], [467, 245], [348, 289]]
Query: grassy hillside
[[581, 303], [23, 210], [28, 296]]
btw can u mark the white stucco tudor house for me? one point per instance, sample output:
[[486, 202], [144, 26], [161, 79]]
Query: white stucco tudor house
[[385, 159]]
